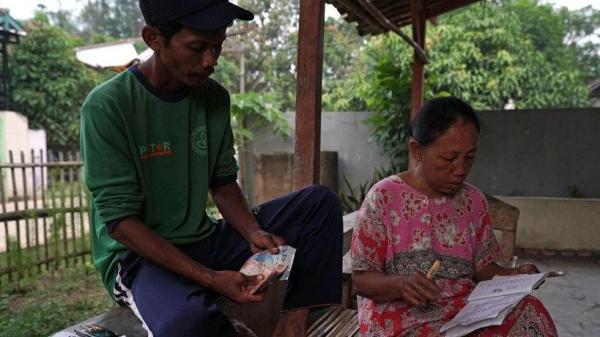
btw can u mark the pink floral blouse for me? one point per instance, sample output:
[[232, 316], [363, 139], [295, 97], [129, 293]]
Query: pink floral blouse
[[399, 230]]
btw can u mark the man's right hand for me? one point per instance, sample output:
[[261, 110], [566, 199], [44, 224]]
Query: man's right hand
[[234, 285], [417, 289]]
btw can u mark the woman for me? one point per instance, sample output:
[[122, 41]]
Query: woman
[[429, 213]]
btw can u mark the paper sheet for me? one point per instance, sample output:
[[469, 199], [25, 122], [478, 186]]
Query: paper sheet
[[505, 286], [269, 266], [461, 330], [483, 309]]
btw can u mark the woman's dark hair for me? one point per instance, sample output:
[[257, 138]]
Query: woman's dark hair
[[437, 115]]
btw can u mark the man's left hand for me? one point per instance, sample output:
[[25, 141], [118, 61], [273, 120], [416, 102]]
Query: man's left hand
[[261, 240]]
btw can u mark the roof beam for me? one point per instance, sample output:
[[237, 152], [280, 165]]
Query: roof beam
[[360, 13], [368, 5], [446, 6]]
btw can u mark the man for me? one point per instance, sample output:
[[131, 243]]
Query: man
[[155, 140]]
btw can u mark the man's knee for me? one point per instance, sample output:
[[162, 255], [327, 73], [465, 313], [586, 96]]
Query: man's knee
[[195, 317], [326, 210], [323, 195]]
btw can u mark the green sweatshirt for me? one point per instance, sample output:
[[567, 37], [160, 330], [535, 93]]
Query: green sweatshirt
[[155, 157]]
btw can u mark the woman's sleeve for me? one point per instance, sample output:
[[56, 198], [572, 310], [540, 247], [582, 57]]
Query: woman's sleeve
[[370, 236], [487, 249]]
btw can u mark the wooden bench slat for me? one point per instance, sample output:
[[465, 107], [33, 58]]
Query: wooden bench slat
[[350, 328], [330, 324], [323, 321], [341, 323]]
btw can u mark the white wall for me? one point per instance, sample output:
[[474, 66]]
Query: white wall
[[344, 132], [15, 136]]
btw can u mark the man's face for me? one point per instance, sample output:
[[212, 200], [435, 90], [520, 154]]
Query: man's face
[[191, 56]]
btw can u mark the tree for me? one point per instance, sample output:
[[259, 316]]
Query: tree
[[583, 37], [49, 83], [550, 30], [114, 18], [63, 19], [341, 60], [270, 45], [486, 55]]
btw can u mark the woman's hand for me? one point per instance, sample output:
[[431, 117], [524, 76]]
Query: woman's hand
[[491, 270], [261, 240], [418, 289]]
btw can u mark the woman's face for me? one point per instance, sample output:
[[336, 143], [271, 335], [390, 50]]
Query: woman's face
[[445, 163]]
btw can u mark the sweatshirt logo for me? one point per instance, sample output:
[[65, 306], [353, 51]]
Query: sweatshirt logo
[[200, 140], [155, 150]]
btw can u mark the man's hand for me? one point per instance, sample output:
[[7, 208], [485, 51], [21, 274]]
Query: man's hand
[[232, 205], [261, 240], [417, 289], [234, 285]]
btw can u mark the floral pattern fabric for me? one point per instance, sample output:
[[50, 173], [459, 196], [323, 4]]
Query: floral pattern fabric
[[399, 230]]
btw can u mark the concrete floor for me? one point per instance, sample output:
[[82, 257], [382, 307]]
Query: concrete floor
[[574, 299]]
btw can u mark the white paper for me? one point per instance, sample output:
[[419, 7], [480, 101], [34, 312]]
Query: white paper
[[265, 260], [461, 330], [289, 261], [506, 285], [484, 309], [268, 267]]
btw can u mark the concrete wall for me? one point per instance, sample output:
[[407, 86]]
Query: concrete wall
[[15, 133], [550, 153], [16, 136], [557, 223], [344, 132], [274, 172], [539, 153]]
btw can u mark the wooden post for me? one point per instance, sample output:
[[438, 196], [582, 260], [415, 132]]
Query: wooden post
[[308, 93], [417, 12]]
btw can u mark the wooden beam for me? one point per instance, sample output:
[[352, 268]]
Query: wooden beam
[[359, 13], [381, 18], [442, 7], [417, 10], [308, 93]]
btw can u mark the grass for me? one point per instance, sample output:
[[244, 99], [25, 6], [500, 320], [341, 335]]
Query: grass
[[52, 301]]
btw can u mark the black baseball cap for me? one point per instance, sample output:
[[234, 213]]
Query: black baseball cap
[[203, 15]]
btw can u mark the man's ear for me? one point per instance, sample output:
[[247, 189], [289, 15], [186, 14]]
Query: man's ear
[[152, 37]]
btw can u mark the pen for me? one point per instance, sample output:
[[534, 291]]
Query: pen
[[434, 268], [514, 261]]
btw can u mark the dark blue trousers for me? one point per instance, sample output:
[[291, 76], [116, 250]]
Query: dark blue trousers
[[309, 220]]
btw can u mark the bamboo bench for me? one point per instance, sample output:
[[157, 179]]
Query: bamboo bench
[[258, 317], [334, 322]]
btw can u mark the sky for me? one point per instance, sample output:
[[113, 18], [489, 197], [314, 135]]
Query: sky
[[24, 9]]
